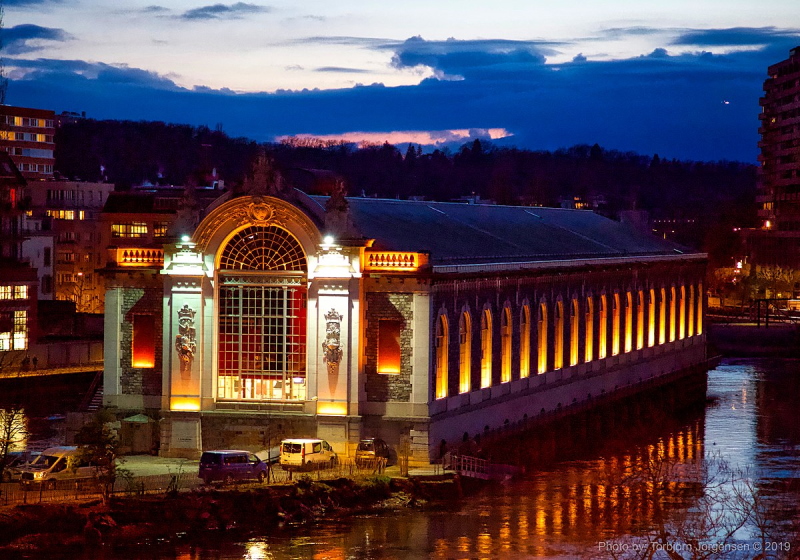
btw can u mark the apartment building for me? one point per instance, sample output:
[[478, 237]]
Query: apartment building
[[27, 135]]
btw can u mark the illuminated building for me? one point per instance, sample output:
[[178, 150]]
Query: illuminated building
[[64, 227], [777, 242], [27, 136], [272, 313], [18, 281]]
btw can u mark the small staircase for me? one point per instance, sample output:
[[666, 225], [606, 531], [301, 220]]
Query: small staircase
[[93, 399]]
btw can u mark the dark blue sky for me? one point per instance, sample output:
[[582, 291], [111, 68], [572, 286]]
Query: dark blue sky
[[677, 102]]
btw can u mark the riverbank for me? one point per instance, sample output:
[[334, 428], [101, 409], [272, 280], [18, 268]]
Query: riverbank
[[745, 340], [61, 530]]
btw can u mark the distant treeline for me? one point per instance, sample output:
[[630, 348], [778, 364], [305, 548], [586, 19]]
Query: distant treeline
[[718, 195]]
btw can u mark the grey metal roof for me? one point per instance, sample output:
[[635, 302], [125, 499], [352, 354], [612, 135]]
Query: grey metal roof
[[472, 233]]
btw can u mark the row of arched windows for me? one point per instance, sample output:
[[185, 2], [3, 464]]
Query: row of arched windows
[[576, 330]]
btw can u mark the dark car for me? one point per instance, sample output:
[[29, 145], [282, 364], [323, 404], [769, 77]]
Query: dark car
[[230, 465], [370, 449]]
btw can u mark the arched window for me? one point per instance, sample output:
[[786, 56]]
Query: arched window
[[486, 348], [574, 325], [690, 322], [261, 298], [662, 317], [525, 341], [615, 320], [640, 320], [442, 353], [628, 321], [700, 299], [682, 314], [464, 353], [602, 333], [558, 342], [651, 319], [542, 338], [589, 347], [672, 313], [505, 346]]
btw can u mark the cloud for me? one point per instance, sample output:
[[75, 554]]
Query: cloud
[[475, 58], [27, 38], [735, 36], [155, 10], [97, 73], [670, 104], [222, 11], [341, 69], [27, 3]]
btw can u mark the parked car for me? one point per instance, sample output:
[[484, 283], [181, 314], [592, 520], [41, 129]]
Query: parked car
[[15, 460], [370, 449], [58, 464], [230, 465], [307, 453]]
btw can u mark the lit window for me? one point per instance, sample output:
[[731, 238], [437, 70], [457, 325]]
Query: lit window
[[602, 346], [672, 314], [442, 355], [486, 349], [662, 317], [573, 333], [464, 353], [525, 341], [628, 322], [129, 229], [542, 338], [389, 345], [505, 346], [640, 320], [682, 314], [690, 323], [651, 319], [615, 326], [700, 297], [589, 350], [160, 229], [558, 343], [144, 341]]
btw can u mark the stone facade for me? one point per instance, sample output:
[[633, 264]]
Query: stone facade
[[140, 301]]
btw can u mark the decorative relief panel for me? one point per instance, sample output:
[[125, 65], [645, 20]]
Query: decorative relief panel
[[185, 340]]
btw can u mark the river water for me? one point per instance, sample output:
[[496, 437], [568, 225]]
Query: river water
[[589, 506]]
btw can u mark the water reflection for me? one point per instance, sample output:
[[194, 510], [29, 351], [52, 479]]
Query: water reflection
[[620, 489]]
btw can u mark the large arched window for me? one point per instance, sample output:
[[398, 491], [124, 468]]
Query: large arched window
[[442, 354], [574, 325], [615, 327], [525, 341], [690, 322], [602, 342], [505, 346], [589, 343], [261, 298], [640, 320], [486, 348], [464, 353], [558, 334], [542, 338]]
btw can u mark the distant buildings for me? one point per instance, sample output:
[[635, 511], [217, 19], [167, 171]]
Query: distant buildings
[[777, 242], [27, 135]]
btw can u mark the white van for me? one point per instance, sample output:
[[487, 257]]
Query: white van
[[307, 453], [57, 463]]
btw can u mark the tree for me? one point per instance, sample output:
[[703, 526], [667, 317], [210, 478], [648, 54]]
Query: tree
[[13, 425], [100, 447]]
